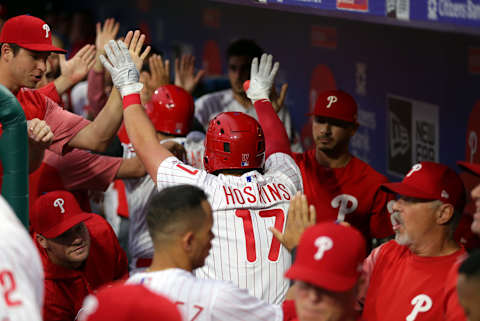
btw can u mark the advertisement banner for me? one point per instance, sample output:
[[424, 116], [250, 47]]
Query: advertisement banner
[[412, 133], [355, 5]]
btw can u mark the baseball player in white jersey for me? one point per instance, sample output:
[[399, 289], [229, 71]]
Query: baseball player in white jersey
[[171, 112], [248, 194], [180, 222], [21, 272]]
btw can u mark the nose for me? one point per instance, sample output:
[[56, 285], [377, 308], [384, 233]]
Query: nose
[[42, 64], [325, 128]]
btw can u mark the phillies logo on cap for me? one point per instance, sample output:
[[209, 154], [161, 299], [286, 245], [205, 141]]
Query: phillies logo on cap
[[59, 203], [331, 100], [415, 168], [47, 30], [444, 194], [323, 244]]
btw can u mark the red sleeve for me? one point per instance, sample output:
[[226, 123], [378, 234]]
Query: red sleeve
[[96, 92], [81, 169], [55, 306], [276, 139], [64, 125], [380, 224], [289, 312], [51, 92]]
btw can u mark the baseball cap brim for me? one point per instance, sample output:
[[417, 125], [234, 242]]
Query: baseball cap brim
[[336, 118], [328, 281], [408, 190], [41, 47], [66, 224], [470, 167]]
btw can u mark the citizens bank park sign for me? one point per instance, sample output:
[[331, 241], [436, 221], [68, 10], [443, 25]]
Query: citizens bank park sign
[[464, 13]]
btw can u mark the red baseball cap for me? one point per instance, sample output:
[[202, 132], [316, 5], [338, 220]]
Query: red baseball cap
[[470, 167], [329, 256], [56, 212], [336, 104], [431, 181], [28, 32], [122, 302]]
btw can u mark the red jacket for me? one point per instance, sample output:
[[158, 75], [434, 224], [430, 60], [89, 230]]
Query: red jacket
[[65, 288]]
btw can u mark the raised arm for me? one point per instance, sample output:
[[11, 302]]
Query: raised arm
[[258, 91], [74, 69], [98, 133], [139, 127]]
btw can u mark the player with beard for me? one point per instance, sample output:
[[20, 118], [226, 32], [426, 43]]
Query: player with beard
[[406, 276], [341, 186]]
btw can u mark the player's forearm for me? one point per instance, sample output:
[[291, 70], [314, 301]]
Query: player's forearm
[[276, 139], [131, 168], [143, 136], [62, 84], [107, 122], [96, 91]]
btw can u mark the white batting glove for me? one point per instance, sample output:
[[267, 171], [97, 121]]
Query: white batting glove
[[120, 65], [262, 78]]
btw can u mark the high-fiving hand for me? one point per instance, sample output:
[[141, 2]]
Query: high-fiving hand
[[262, 77], [121, 67]]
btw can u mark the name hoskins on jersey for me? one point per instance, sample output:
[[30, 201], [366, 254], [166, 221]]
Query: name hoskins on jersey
[[244, 250]]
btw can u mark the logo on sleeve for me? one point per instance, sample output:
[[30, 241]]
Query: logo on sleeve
[[331, 100], [59, 203], [421, 303], [323, 244], [47, 30], [346, 204]]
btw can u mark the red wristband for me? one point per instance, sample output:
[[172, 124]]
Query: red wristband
[[132, 99]]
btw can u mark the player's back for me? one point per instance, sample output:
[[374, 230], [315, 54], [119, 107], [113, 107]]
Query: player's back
[[206, 300], [244, 207]]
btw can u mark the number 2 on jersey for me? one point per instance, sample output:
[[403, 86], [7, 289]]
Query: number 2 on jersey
[[246, 217], [7, 283]]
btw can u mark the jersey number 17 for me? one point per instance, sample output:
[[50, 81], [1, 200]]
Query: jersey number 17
[[246, 217]]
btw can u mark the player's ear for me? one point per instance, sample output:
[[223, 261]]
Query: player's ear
[[41, 240], [6, 52], [444, 213], [187, 241]]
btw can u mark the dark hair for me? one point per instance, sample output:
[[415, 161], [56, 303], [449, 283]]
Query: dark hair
[[15, 47], [174, 210], [471, 266], [244, 47]]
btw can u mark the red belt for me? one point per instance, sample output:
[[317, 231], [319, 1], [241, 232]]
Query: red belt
[[143, 262]]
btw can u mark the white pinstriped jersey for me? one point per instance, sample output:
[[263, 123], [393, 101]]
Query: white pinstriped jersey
[[21, 271], [207, 300], [139, 191], [243, 250]]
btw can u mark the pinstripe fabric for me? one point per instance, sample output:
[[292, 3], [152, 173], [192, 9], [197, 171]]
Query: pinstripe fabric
[[244, 207]]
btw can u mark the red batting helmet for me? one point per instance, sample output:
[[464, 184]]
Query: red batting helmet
[[171, 110], [234, 141]]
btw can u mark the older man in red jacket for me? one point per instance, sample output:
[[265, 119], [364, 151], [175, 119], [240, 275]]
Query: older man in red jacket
[[79, 252]]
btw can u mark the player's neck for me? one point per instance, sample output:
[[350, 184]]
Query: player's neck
[[242, 99], [438, 244], [7, 82], [163, 261], [333, 160]]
